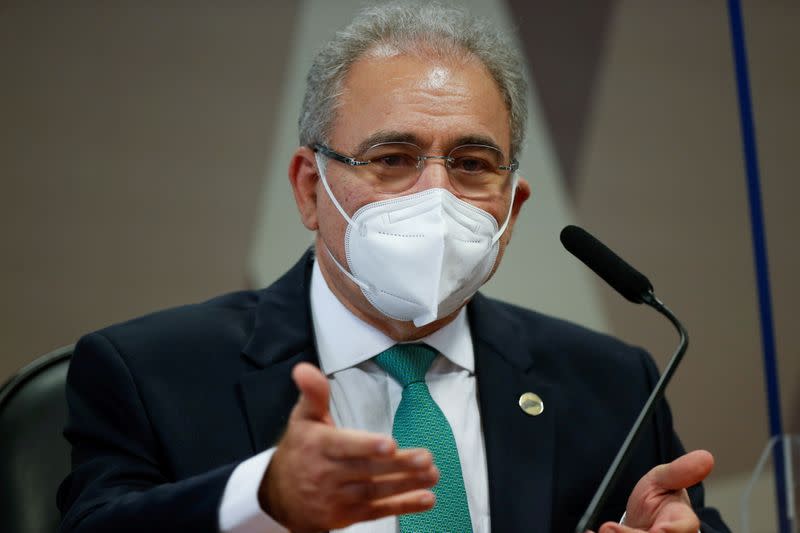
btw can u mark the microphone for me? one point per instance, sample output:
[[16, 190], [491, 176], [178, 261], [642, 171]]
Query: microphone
[[627, 281], [634, 286]]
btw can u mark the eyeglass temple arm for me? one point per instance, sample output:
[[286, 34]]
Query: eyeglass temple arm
[[327, 152]]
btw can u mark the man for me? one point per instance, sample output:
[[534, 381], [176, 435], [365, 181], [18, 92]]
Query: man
[[190, 419]]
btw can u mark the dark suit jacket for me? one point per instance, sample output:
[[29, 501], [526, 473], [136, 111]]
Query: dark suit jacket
[[163, 408]]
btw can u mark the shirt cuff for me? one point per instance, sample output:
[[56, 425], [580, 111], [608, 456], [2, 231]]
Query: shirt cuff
[[240, 511]]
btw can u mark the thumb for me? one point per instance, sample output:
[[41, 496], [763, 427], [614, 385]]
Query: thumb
[[314, 393], [683, 472]]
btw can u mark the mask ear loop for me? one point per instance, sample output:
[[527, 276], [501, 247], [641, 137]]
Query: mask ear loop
[[345, 272], [510, 208], [321, 166]]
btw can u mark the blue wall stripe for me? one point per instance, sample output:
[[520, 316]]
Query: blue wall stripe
[[759, 251]]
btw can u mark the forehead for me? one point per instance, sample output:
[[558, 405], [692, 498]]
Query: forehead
[[434, 101]]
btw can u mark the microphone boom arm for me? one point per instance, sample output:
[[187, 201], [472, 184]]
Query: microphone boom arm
[[600, 496]]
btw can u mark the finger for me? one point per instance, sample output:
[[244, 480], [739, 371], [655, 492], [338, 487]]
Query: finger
[[416, 501], [613, 527], [341, 444], [683, 525], [407, 460], [683, 472], [386, 486], [314, 393]]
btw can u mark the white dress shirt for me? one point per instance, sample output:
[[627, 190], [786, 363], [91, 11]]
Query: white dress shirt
[[364, 397]]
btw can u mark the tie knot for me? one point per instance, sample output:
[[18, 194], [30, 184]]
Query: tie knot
[[407, 363]]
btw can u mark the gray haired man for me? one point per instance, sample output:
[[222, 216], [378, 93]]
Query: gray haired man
[[372, 389]]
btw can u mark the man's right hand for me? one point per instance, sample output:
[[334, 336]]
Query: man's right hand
[[322, 477]]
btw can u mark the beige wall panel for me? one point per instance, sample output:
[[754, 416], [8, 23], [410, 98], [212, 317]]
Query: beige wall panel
[[131, 151], [773, 43], [662, 180]]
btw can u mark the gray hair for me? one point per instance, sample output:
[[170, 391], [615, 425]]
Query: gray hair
[[412, 28]]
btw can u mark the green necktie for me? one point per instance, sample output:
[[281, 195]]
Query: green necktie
[[419, 423]]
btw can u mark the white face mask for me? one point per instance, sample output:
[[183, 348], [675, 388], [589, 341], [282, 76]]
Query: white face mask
[[419, 257]]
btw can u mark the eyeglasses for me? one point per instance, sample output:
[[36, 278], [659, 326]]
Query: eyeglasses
[[475, 170]]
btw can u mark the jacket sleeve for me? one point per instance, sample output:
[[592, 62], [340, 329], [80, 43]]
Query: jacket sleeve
[[119, 479]]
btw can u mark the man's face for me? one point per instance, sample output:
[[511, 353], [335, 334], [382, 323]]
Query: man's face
[[434, 104]]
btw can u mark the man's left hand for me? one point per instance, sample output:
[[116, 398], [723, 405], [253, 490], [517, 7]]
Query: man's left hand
[[659, 502]]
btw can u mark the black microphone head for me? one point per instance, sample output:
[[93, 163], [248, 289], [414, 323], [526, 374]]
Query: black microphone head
[[628, 281]]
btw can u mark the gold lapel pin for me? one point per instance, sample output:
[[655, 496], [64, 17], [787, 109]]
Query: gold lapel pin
[[531, 404]]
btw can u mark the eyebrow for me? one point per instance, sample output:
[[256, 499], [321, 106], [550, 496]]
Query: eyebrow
[[385, 136], [388, 136], [477, 139]]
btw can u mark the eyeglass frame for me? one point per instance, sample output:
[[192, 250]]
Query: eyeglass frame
[[353, 162]]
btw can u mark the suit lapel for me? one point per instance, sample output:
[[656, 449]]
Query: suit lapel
[[268, 396], [520, 448], [282, 337]]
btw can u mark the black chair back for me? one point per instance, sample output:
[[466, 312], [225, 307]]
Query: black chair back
[[34, 457]]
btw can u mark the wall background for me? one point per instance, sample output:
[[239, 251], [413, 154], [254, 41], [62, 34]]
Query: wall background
[[137, 147]]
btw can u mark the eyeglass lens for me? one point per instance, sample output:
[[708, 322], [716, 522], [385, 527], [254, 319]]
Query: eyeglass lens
[[474, 169]]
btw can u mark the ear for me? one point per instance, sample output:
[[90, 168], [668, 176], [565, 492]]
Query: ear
[[520, 197], [303, 176]]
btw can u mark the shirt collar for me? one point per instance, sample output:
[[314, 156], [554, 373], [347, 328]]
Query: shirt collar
[[344, 340]]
